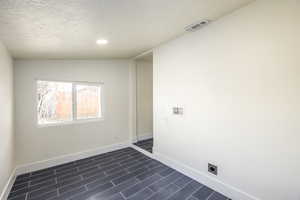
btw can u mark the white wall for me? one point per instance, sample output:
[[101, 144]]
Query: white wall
[[238, 81], [37, 144], [7, 161], [144, 86]]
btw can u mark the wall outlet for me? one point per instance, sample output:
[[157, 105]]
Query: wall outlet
[[177, 111], [180, 111], [213, 169]]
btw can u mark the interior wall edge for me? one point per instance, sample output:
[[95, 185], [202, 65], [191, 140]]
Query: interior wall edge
[[8, 186], [132, 100], [145, 136], [147, 153], [7, 147]]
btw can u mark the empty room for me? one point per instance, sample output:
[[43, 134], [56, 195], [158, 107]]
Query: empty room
[[150, 100]]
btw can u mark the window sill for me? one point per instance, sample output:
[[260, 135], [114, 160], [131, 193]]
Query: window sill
[[79, 121]]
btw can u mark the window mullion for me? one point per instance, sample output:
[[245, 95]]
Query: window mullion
[[74, 102]]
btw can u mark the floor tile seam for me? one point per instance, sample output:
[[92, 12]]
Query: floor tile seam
[[110, 163], [22, 188], [122, 195], [18, 195], [114, 186], [58, 192], [17, 184], [195, 191], [172, 182], [186, 183], [56, 184], [105, 173], [136, 164], [83, 192], [75, 194], [124, 162], [141, 181], [82, 174], [138, 182], [84, 186], [107, 170], [43, 188], [30, 175], [43, 179], [26, 197], [39, 195], [112, 183], [89, 196], [30, 180], [41, 175], [152, 183], [210, 195], [156, 192], [81, 177], [126, 170], [33, 190], [104, 177], [55, 168], [132, 164]]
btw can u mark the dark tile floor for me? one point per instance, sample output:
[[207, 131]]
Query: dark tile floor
[[125, 174], [145, 144]]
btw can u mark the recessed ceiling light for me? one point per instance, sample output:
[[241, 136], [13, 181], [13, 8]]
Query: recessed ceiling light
[[102, 41]]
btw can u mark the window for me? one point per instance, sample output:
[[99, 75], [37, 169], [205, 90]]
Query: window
[[88, 101], [61, 102]]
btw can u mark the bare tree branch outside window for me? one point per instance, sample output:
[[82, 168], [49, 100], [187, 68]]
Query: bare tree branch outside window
[[54, 101]]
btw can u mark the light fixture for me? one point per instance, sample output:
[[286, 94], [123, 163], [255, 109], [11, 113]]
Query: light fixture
[[102, 41]]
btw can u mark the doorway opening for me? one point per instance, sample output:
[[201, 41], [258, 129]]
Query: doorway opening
[[144, 102]]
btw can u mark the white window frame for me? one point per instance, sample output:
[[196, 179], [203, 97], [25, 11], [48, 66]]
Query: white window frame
[[74, 103]]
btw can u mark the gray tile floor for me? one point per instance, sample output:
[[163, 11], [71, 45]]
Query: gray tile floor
[[145, 144], [125, 174]]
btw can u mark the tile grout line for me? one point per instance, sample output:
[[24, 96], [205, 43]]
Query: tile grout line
[[194, 191], [26, 197], [122, 195], [210, 195]]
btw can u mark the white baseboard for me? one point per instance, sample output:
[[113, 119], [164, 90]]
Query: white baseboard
[[228, 190], [8, 186], [143, 151], [145, 136], [22, 169]]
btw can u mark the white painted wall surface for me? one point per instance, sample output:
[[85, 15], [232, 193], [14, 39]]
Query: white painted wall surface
[[7, 160], [238, 82], [144, 86], [37, 144]]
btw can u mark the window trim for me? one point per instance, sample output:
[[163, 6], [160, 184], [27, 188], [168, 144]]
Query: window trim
[[74, 103]]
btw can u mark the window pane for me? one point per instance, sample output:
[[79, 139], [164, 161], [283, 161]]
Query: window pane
[[88, 101], [54, 102]]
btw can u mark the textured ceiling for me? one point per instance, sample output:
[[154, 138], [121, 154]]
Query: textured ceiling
[[69, 28]]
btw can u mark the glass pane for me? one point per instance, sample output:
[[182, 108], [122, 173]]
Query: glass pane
[[88, 101], [54, 102]]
